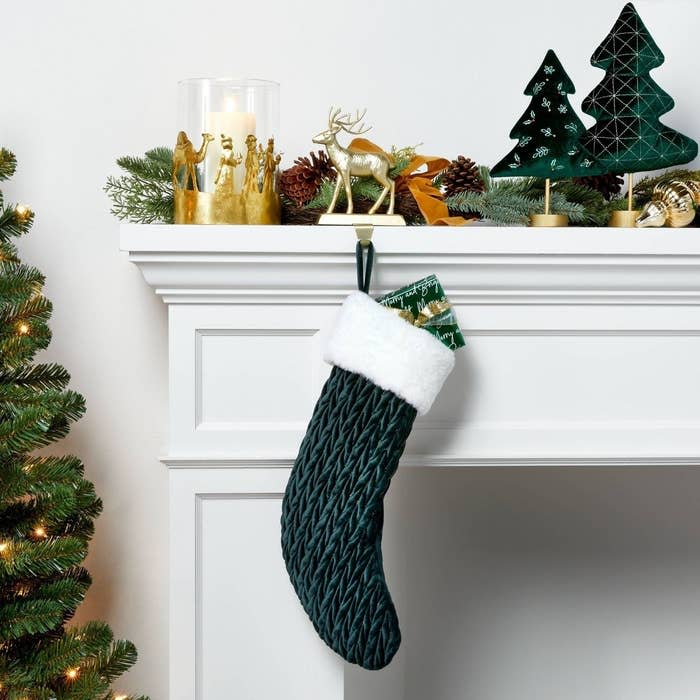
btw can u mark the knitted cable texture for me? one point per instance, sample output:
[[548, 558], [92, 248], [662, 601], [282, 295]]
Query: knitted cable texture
[[332, 516]]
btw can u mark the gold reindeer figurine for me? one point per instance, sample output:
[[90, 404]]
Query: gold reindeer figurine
[[351, 163]]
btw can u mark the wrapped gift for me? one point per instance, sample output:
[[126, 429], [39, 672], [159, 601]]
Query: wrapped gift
[[424, 304]]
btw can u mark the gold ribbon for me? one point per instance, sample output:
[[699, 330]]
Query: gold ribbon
[[420, 184], [427, 313]]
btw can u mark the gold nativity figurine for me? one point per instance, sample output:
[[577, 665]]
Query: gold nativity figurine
[[352, 162], [258, 200]]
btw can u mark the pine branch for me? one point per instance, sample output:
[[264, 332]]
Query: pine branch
[[18, 280], [325, 195], [644, 188], [13, 224], [44, 558], [8, 164], [69, 591], [511, 201], [38, 377], [116, 661], [145, 195], [28, 617], [503, 208], [72, 649]]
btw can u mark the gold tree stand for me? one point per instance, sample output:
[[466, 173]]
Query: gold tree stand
[[547, 219], [626, 218]]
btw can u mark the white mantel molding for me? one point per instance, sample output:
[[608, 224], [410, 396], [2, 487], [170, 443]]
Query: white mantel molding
[[478, 264], [451, 462]]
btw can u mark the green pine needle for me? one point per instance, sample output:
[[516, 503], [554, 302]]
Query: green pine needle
[[145, 194], [8, 164]]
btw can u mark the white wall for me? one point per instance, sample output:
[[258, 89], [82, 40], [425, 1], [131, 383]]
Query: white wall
[[512, 583]]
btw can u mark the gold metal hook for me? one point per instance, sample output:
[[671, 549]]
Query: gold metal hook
[[364, 233]]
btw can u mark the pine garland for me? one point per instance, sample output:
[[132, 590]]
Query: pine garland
[[145, 195], [511, 201], [644, 188]]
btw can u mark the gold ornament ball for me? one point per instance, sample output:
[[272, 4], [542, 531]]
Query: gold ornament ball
[[672, 204]]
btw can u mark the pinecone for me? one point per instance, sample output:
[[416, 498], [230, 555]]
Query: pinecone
[[608, 185], [406, 205], [462, 175], [300, 183]]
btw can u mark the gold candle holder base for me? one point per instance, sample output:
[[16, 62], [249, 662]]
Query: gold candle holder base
[[549, 220], [361, 220], [624, 219], [253, 204]]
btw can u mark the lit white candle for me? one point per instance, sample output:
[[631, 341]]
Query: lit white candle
[[237, 125]]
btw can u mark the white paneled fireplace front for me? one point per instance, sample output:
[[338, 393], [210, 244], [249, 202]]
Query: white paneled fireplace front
[[582, 350]]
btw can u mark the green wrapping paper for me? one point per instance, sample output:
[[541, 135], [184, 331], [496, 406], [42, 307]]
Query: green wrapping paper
[[424, 304]]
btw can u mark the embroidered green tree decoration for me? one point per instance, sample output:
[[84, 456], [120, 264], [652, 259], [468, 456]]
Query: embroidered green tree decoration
[[628, 136], [549, 131]]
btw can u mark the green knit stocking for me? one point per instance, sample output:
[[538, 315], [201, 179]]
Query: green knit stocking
[[332, 516]]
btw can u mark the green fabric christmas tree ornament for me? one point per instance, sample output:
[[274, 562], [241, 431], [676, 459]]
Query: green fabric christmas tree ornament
[[628, 136], [385, 372], [549, 131]]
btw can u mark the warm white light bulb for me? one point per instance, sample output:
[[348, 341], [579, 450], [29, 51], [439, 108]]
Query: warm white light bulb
[[72, 673], [22, 211]]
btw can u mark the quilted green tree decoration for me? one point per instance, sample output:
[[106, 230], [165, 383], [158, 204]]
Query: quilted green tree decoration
[[548, 136], [47, 507], [628, 136]]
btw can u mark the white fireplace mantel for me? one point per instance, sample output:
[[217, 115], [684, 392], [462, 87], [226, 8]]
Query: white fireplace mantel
[[478, 264], [582, 349]]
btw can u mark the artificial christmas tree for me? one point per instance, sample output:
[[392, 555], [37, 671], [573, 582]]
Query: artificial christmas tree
[[548, 136], [47, 508], [628, 136]]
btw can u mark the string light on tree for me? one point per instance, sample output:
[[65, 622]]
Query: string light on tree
[[40, 532], [23, 328], [72, 673], [4, 548], [121, 697], [22, 212]]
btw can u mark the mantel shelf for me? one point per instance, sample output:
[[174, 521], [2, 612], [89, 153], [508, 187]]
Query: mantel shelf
[[314, 264]]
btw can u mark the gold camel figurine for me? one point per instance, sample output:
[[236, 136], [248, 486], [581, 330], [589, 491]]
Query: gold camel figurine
[[350, 163], [185, 156]]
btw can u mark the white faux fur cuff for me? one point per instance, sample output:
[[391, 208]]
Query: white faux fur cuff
[[373, 341]]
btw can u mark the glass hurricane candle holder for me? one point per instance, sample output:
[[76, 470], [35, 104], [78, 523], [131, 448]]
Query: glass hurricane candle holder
[[225, 166]]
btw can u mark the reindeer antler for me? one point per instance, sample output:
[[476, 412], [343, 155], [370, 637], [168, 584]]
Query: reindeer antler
[[345, 122], [334, 112]]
